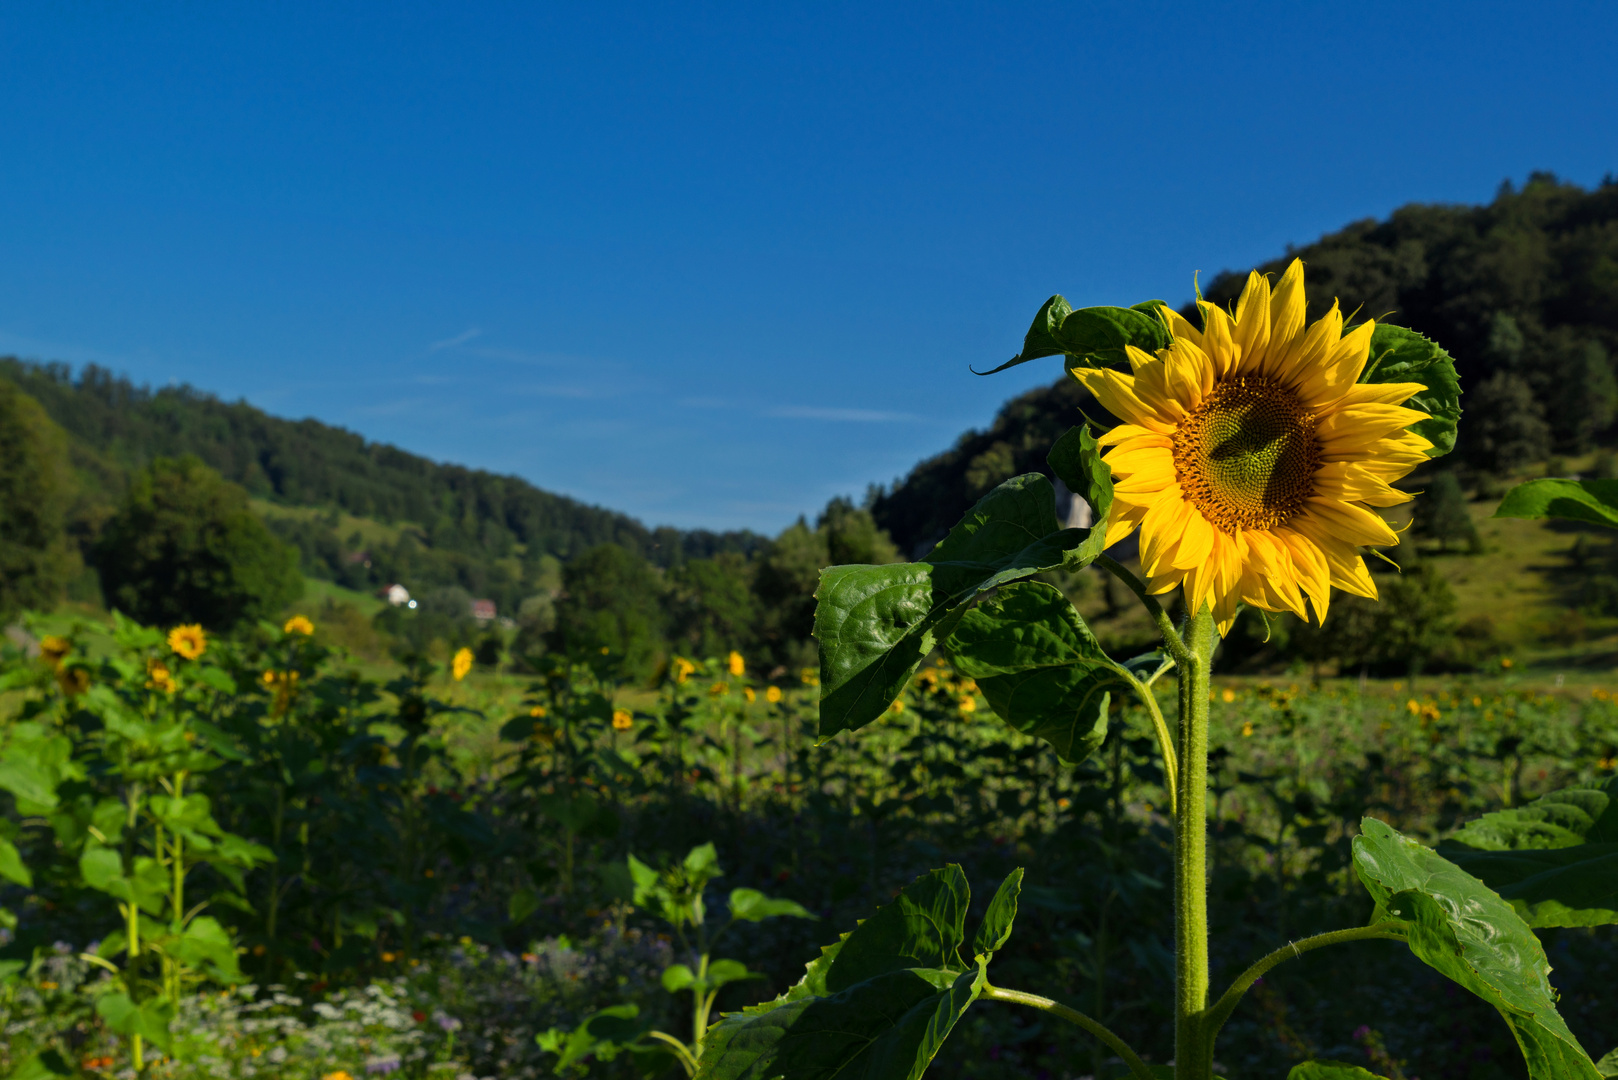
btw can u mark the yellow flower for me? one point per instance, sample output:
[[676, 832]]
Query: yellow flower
[[897, 708], [188, 641], [158, 677], [749, 694], [1505, 661], [622, 720], [73, 681], [809, 677], [773, 695], [269, 678], [738, 666], [718, 689], [538, 712], [298, 625], [340, 1074], [1247, 730], [967, 705], [387, 958], [1250, 455], [53, 648], [461, 664], [1229, 695], [1413, 706], [682, 669]]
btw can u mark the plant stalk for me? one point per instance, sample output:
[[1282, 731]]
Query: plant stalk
[[1072, 1016], [1193, 1053]]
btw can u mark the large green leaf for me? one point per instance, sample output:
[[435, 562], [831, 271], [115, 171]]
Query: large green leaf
[[1455, 925], [750, 905], [1093, 335], [879, 1004], [1039, 666], [103, 870], [1076, 461], [876, 624], [149, 1019], [1554, 860], [1401, 355], [1608, 1065], [1330, 1070], [205, 946], [12, 867], [1595, 501]]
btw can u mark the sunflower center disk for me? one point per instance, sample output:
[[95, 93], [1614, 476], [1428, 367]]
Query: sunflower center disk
[[1247, 456]]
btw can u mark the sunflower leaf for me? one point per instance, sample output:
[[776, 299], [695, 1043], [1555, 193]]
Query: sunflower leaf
[[1555, 860], [879, 1004], [1041, 337], [1039, 666], [1402, 355], [1093, 335], [1076, 461], [1458, 927], [1330, 1070], [1595, 501], [876, 624]]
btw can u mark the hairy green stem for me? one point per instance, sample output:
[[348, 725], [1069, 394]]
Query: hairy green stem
[[1193, 1053], [1072, 1016], [687, 1062], [1165, 626], [1215, 1017]]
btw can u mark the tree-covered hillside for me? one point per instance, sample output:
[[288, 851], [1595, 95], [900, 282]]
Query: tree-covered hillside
[[308, 463]]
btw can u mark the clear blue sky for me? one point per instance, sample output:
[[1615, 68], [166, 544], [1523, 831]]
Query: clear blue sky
[[713, 264]]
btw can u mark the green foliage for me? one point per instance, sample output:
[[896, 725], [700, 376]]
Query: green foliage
[[1039, 666], [36, 486], [1555, 860], [1595, 501], [611, 602], [1456, 925], [1330, 1070], [1441, 512], [880, 1002], [1402, 355], [185, 547], [1093, 336], [876, 624]]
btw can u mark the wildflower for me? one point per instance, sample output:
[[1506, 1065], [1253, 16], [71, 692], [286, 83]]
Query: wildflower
[[1608, 763], [1505, 662], [1476, 702], [1414, 707], [1063, 803], [738, 666], [462, 663], [809, 677], [1247, 730], [682, 669], [773, 695], [388, 958], [1250, 456], [897, 708], [749, 694], [188, 642], [605, 650], [158, 677], [53, 648], [384, 1064], [1229, 695], [622, 720], [968, 705], [718, 689], [46, 984], [298, 625], [537, 712]]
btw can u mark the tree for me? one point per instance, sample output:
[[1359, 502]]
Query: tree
[[1441, 513], [186, 547], [713, 606], [36, 484], [1505, 429], [611, 599]]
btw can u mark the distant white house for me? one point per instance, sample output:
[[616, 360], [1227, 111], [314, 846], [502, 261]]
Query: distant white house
[[483, 610], [395, 594]]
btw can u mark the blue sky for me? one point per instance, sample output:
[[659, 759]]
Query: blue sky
[[713, 264]]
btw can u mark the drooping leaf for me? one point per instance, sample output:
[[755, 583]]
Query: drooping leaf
[[1595, 501], [750, 905], [876, 624], [677, 977], [1554, 860], [1076, 461], [878, 1005], [1331, 1070], [45, 1065], [995, 929], [1455, 925], [1608, 1065], [1401, 355], [524, 902], [1039, 666], [1093, 335], [205, 946], [602, 1034]]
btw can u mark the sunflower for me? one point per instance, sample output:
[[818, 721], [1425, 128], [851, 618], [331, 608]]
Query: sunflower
[[1249, 454], [188, 641], [461, 663], [298, 624]]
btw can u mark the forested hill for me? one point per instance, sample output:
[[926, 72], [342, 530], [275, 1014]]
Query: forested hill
[[308, 463], [1523, 292]]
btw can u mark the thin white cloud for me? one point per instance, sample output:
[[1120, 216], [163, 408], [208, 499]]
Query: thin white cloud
[[855, 416], [459, 339]]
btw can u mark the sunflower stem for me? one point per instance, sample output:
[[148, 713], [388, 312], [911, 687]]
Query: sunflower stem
[[1165, 625], [1193, 1054]]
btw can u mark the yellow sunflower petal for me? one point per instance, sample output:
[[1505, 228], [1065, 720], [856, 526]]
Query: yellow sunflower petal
[[1358, 425], [1390, 393], [1340, 369], [1116, 393], [1288, 306], [1126, 461], [1323, 519], [1217, 341], [1120, 432], [1178, 327], [1252, 330]]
